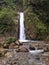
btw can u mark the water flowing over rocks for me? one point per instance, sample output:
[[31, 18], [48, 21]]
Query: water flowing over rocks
[[23, 58], [19, 54]]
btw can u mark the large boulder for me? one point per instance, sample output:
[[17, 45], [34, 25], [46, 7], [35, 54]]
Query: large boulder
[[18, 43], [5, 45], [13, 46], [46, 47], [23, 49]]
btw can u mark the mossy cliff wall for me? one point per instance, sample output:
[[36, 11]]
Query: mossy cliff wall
[[36, 18]]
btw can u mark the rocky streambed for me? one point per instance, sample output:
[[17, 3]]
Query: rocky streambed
[[12, 57], [18, 54]]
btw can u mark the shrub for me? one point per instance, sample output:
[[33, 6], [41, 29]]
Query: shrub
[[13, 39], [6, 21], [10, 40]]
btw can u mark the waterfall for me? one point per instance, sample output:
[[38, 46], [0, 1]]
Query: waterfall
[[22, 37], [22, 28]]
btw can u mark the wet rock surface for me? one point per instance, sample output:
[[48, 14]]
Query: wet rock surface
[[23, 58], [23, 48], [18, 54]]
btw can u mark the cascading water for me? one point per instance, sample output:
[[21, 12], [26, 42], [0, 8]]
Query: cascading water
[[22, 28], [22, 37]]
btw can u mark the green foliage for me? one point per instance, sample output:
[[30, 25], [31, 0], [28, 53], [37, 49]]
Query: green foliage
[[41, 27], [6, 22], [41, 8], [38, 15], [13, 39], [3, 12], [6, 19], [33, 22], [9, 40]]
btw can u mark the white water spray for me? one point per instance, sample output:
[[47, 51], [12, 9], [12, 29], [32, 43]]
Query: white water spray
[[22, 28]]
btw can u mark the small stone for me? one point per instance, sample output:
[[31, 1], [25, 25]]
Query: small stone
[[17, 42], [5, 46], [1, 46], [3, 42], [17, 50], [46, 47], [15, 47], [8, 54], [31, 48], [14, 63], [11, 46], [1, 52]]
